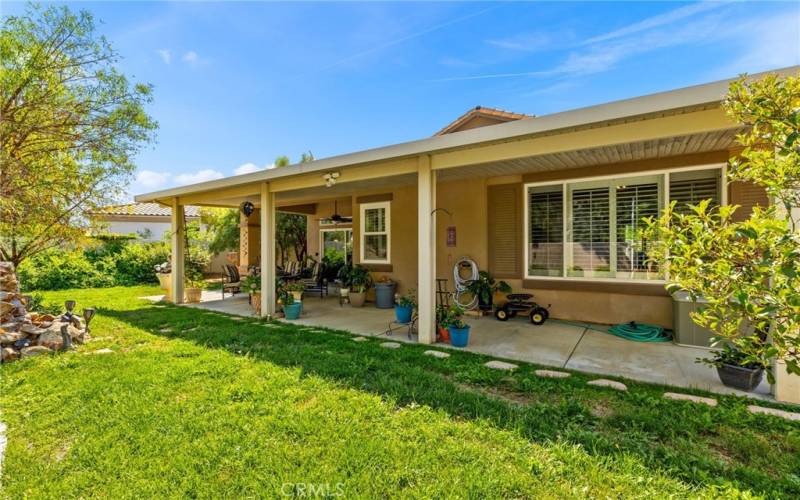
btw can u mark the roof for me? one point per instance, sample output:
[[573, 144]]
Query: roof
[[673, 101], [145, 210], [493, 115]]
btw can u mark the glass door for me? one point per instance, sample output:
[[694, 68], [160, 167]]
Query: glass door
[[337, 245]]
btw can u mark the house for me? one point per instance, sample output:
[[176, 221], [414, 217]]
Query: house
[[148, 221], [552, 204]]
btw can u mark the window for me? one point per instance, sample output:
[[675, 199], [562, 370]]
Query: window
[[375, 231], [337, 245], [594, 229]]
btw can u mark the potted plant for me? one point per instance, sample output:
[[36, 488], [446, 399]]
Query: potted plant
[[164, 273], [404, 309], [736, 368], [458, 330], [193, 290], [442, 334], [359, 283], [484, 289], [291, 309], [296, 288], [384, 292], [343, 275], [252, 285]]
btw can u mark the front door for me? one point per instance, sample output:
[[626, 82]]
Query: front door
[[337, 245]]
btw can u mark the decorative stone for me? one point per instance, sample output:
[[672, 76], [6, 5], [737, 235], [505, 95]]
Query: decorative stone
[[437, 354], [688, 397], [774, 412], [390, 345], [9, 337], [165, 330], [611, 384], [51, 339], [10, 327], [34, 350], [32, 329], [500, 365], [8, 354], [551, 374], [359, 339]]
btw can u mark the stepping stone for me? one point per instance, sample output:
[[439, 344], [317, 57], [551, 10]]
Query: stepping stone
[[165, 330], [551, 374], [102, 351], [500, 365], [611, 384], [391, 345], [774, 412], [688, 397], [237, 318], [191, 329], [359, 339], [437, 354]]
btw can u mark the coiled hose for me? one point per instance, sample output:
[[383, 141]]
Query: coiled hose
[[638, 332], [461, 283]]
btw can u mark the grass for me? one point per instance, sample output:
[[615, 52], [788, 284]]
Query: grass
[[195, 404]]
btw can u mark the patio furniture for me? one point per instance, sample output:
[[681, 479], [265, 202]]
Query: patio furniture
[[232, 281], [292, 271], [316, 284], [397, 325]]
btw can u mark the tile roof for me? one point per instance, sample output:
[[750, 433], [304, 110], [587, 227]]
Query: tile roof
[[146, 210], [498, 114]]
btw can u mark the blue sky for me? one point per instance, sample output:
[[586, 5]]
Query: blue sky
[[237, 84]]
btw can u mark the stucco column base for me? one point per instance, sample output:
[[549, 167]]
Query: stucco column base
[[786, 388]]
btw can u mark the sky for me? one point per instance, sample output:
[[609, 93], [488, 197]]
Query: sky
[[238, 84]]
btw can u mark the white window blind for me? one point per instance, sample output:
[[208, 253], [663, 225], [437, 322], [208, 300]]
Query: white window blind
[[689, 188], [546, 231], [590, 232], [375, 233], [633, 204]]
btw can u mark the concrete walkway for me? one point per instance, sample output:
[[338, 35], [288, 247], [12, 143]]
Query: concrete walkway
[[555, 343]]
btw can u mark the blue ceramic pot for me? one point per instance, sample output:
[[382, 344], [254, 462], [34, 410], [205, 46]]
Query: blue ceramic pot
[[459, 337], [403, 314], [292, 311]]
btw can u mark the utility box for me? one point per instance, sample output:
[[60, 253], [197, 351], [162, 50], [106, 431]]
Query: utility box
[[686, 331]]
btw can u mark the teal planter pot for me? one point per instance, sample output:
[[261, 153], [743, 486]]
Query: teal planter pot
[[403, 314], [459, 337], [292, 311]]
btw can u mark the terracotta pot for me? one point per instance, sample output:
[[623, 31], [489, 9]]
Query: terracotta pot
[[164, 279], [357, 299], [298, 296], [255, 301], [193, 295]]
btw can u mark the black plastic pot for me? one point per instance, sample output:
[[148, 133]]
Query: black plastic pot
[[485, 305], [739, 377]]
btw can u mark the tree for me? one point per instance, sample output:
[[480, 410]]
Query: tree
[[282, 161], [748, 271], [306, 157], [223, 228], [70, 125]]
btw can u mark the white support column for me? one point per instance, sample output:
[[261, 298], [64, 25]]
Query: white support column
[[267, 216], [426, 251], [178, 233]]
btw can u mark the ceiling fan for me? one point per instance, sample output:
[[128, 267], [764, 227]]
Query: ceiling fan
[[336, 218]]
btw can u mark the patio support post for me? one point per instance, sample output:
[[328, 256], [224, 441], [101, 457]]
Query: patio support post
[[178, 249], [267, 216], [426, 252]]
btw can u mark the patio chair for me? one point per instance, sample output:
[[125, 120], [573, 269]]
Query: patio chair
[[231, 282], [292, 271], [316, 283]]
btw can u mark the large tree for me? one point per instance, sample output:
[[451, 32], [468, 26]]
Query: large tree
[[748, 270], [70, 124]]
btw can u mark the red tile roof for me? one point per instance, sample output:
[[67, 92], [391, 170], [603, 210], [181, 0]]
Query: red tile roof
[[146, 210], [500, 115]]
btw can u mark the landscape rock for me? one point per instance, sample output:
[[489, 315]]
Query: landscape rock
[[50, 339], [8, 354], [688, 397], [32, 329], [359, 339], [500, 365], [102, 351], [437, 354], [390, 345], [551, 374], [34, 350], [611, 384], [774, 412], [9, 337]]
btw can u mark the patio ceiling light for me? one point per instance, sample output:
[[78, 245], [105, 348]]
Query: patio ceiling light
[[330, 178]]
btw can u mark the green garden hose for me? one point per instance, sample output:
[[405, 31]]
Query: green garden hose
[[638, 332]]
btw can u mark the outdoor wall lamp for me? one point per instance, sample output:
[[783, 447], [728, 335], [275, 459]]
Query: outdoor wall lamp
[[330, 178], [247, 208]]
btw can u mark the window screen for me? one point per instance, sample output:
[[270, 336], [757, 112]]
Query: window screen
[[546, 231]]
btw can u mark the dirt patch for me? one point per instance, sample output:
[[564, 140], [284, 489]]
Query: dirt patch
[[513, 397], [601, 408]]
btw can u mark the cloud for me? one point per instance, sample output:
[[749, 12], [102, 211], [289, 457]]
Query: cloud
[[165, 55], [207, 174], [527, 42], [191, 58], [775, 46], [247, 168], [151, 179]]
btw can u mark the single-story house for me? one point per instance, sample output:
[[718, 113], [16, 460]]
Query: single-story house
[[551, 204]]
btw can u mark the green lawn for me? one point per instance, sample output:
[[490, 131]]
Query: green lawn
[[196, 404]]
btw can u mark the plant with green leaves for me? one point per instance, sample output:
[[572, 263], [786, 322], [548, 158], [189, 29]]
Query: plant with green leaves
[[748, 270], [252, 283], [454, 317], [486, 286], [409, 299], [360, 280]]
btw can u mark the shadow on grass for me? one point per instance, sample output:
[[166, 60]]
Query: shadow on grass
[[698, 444]]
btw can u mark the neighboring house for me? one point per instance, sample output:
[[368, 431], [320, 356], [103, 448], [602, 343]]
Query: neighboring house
[[148, 221], [551, 204]]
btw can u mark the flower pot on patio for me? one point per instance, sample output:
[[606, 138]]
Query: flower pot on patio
[[459, 337], [298, 296], [384, 294], [164, 279], [193, 295], [255, 301], [357, 299], [739, 377], [292, 311], [403, 314]]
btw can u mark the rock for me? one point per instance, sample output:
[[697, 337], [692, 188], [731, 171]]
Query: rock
[[51, 339], [6, 308], [437, 354], [500, 365], [165, 330], [359, 339], [390, 345], [774, 412], [611, 384], [688, 397], [10, 327], [31, 329], [551, 374], [9, 337], [8, 354], [102, 351], [35, 350]]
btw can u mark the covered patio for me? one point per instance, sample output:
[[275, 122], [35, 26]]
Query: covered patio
[[555, 344]]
